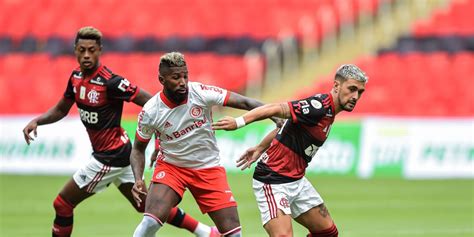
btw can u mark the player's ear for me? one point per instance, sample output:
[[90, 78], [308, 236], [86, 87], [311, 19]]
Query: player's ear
[[336, 85], [161, 79]]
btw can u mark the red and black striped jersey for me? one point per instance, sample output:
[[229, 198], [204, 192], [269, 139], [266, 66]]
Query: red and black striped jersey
[[297, 141], [100, 98]]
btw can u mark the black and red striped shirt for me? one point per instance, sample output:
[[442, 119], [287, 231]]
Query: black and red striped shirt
[[100, 98], [297, 141]]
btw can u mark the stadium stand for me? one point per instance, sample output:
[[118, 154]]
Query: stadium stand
[[438, 48], [424, 73], [44, 78]]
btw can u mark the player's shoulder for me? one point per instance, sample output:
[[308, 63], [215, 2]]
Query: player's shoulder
[[320, 101], [76, 73], [152, 104], [108, 75], [203, 89]]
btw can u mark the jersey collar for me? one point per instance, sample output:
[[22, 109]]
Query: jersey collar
[[332, 104], [99, 68], [170, 103]]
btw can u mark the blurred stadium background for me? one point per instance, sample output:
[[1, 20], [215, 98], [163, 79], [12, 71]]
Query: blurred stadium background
[[401, 164]]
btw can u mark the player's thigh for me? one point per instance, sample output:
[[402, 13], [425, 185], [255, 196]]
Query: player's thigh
[[210, 189], [95, 177], [316, 219], [126, 190], [73, 194], [272, 199], [280, 225], [160, 199], [125, 182]]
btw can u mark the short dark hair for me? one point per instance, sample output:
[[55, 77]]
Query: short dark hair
[[89, 32]]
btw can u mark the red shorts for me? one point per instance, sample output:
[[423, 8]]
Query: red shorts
[[208, 186]]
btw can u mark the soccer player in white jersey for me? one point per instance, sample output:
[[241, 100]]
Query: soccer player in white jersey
[[180, 116], [279, 184]]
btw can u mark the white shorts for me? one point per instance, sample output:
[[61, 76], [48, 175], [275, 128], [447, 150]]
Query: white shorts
[[96, 176], [293, 198]]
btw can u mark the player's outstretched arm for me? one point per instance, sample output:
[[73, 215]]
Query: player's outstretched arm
[[142, 97], [137, 161], [252, 154], [281, 110], [54, 114], [239, 101]]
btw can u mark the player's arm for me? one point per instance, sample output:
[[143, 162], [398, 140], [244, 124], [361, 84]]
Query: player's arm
[[137, 161], [239, 101], [54, 114], [252, 154], [281, 110], [141, 98]]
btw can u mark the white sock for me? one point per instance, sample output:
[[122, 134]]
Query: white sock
[[148, 227], [202, 230]]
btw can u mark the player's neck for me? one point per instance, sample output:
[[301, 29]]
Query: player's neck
[[171, 97], [337, 104], [89, 72]]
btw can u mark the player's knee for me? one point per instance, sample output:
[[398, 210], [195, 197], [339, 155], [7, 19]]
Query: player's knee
[[63, 207], [329, 232]]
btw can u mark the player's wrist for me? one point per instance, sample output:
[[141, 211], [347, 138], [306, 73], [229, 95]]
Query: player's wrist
[[240, 121]]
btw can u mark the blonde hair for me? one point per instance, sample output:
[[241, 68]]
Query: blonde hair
[[173, 59], [351, 71], [89, 32]]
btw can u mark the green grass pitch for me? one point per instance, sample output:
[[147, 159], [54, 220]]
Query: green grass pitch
[[377, 207]]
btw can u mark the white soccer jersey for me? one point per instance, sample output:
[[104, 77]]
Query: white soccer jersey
[[185, 133]]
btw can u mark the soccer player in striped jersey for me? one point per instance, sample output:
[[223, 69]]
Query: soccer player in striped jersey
[[281, 190], [99, 95]]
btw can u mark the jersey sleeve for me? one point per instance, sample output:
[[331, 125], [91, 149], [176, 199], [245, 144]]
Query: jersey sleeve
[[120, 88], [145, 129], [212, 95], [307, 111]]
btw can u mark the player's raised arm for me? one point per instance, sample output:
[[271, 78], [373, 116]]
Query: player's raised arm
[[54, 114], [281, 110]]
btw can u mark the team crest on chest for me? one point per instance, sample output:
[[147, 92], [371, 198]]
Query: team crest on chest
[[93, 96], [196, 112]]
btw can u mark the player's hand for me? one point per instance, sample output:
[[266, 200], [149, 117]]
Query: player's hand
[[226, 123], [139, 192], [248, 158], [30, 127]]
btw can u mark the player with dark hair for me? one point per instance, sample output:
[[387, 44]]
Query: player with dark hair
[[99, 95], [279, 184], [181, 116]]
